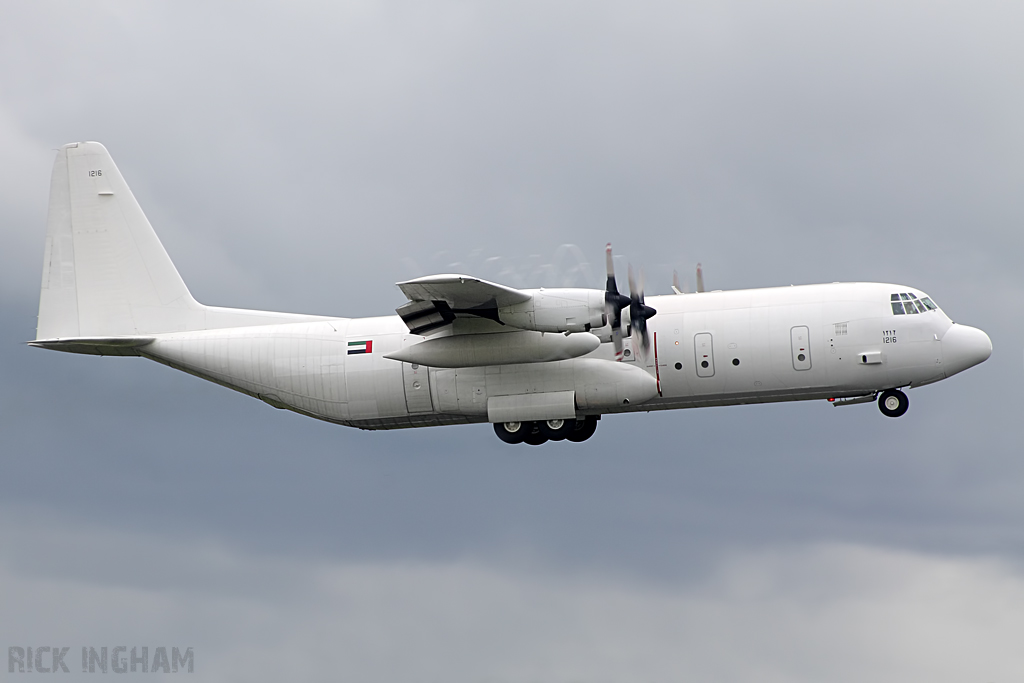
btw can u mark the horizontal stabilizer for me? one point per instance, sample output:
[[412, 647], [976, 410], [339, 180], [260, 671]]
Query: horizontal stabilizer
[[96, 346]]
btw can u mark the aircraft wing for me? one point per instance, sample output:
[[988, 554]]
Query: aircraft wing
[[436, 300]]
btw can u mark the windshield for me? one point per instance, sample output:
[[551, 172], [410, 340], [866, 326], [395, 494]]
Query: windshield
[[907, 303]]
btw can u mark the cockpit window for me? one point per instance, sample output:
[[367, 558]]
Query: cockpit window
[[905, 303]]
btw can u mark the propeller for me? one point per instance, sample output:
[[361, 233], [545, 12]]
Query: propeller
[[614, 303], [700, 278], [675, 284], [639, 313]]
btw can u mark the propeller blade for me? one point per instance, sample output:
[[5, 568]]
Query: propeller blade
[[610, 269], [636, 322], [613, 303], [675, 282], [645, 313], [638, 312], [700, 278]]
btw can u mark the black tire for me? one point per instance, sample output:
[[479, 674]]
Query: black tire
[[585, 429], [557, 430], [511, 432], [534, 435], [893, 403]]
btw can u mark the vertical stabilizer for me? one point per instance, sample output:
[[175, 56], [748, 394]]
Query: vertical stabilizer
[[105, 272]]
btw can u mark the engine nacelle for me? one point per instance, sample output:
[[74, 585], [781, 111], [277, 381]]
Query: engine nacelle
[[557, 310]]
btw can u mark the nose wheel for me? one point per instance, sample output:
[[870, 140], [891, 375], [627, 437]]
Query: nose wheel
[[893, 403]]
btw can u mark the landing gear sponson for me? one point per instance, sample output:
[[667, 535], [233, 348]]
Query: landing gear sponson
[[536, 433]]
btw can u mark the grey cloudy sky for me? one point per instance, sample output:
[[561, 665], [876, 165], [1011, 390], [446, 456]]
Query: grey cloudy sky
[[306, 158]]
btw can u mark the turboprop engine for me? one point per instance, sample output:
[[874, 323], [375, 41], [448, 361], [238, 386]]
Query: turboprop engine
[[437, 300], [557, 310]]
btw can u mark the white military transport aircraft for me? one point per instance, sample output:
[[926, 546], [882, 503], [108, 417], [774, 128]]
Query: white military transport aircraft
[[539, 364]]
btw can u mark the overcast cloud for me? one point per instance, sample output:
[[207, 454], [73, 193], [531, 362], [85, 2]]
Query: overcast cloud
[[306, 158]]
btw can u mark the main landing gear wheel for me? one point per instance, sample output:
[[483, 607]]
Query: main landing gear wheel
[[511, 432], [535, 436], [583, 430], [537, 433], [893, 403], [557, 430]]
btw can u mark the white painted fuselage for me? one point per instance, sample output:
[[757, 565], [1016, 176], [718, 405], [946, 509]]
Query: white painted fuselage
[[751, 339]]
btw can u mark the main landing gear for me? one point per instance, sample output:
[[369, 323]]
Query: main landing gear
[[536, 433], [893, 403]]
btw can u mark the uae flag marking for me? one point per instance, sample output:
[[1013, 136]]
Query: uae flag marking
[[360, 347]]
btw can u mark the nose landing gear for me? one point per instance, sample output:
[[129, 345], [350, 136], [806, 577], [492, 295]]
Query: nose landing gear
[[893, 403], [537, 433]]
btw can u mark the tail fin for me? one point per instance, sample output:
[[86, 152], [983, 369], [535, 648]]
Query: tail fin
[[107, 281], [105, 272]]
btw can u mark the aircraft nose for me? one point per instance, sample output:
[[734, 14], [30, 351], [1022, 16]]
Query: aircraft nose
[[964, 347]]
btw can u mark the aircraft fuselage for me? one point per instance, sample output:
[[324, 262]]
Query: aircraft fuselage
[[761, 345]]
